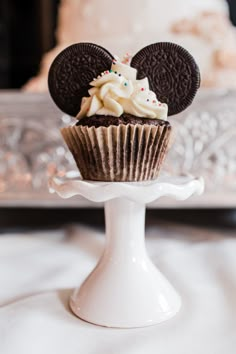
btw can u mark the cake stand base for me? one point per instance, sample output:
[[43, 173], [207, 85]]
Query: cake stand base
[[125, 289]]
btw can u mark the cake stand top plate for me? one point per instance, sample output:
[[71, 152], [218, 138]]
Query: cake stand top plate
[[178, 187]]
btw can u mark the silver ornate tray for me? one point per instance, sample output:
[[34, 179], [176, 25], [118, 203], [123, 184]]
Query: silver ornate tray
[[31, 149]]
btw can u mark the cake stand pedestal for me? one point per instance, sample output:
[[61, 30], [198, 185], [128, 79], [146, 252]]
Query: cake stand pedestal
[[125, 289]]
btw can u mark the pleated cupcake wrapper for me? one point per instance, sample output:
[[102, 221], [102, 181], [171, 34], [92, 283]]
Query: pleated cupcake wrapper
[[118, 153]]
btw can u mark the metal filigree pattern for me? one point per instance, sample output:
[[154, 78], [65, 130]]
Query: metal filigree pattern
[[31, 148], [205, 140]]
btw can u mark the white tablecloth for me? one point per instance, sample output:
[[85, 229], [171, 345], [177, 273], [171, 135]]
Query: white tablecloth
[[39, 269]]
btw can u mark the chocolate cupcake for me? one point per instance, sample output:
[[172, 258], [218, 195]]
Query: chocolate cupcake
[[122, 132]]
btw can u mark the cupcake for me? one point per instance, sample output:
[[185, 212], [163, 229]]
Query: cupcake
[[121, 131]]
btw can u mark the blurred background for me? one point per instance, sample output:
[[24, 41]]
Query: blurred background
[[27, 31], [32, 32]]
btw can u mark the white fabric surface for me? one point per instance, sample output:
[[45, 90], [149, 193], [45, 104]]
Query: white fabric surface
[[38, 271]]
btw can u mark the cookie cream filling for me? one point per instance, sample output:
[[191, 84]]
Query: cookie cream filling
[[117, 91]]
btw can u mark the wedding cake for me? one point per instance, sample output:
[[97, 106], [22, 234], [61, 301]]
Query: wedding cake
[[201, 26]]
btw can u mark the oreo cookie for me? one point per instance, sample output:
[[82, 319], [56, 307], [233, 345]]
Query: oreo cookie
[[172, 73], [72, 71]]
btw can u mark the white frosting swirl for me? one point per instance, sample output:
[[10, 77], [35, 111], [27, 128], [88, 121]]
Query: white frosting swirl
[[117, 91]]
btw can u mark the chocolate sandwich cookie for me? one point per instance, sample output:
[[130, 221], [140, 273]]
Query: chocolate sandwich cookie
[[172, 73], [72, 71]]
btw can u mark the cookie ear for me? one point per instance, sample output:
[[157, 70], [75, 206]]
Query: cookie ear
[[72, 71], [172, 73]]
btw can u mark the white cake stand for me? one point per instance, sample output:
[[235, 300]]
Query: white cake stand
[[125, 289]]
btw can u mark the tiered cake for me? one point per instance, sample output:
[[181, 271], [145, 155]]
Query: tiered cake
[[202, 27]]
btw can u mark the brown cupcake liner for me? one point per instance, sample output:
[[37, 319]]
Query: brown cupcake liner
[[118, 153]]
